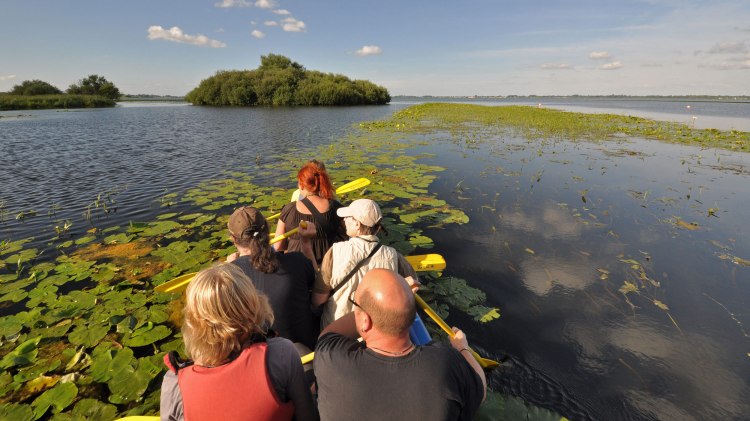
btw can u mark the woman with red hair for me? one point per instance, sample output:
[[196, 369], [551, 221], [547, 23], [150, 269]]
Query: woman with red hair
[[316, 204]]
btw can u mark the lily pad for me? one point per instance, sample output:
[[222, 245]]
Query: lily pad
[[58, 398], [88, 335], [147, 334], [24, 354], [92, 409], [16, 412]]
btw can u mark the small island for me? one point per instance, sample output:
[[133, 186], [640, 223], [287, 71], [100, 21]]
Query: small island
[[92, 91], [280, 81]]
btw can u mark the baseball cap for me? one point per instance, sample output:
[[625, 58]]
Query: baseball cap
[[366, 211], [246, 220]]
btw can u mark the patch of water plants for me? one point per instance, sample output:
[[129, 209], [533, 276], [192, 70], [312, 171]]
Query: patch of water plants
[[83, 333]]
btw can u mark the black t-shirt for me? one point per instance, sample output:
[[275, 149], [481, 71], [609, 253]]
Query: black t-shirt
[[328, 233], [433, 382], [288, 290]]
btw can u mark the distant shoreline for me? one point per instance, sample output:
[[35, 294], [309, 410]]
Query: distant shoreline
[[671, 98]]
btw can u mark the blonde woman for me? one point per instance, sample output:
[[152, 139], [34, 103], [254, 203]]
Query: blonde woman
[[238, 371]]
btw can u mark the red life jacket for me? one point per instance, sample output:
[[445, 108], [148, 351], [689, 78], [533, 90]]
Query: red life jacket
[[239, 390]]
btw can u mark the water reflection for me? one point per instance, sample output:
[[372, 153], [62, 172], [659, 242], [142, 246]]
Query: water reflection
[[617, 266]]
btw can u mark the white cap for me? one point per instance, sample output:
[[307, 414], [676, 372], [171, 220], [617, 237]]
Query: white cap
[[366, 211]]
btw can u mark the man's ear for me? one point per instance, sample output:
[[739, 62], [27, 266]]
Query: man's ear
[[364, 322]]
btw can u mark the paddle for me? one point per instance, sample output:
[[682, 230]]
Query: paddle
[[421, 263], [345, 188], [179, 283], [484, 362]]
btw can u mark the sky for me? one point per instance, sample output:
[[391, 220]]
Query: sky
[[454, 48]]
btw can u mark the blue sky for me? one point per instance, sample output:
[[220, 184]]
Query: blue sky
[[480, 47]]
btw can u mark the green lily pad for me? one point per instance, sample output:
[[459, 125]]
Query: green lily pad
[[21, 257], [85, 240], [58, 398], [14, 296], [10, 325], [147, 334], [24, 354], [166, 216], [121, 238], [111, 363], [7, 248], [92, 409], [16, 412], [160, 228], [88, 335], [131, 385], [105, 272]]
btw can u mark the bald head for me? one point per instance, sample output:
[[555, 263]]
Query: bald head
[[387, 298]]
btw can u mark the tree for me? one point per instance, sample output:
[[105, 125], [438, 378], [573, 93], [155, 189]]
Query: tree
[[279, 81], [95, 85], [34, 87]]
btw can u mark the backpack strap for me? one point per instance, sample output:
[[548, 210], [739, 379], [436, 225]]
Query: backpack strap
[[174, 363], [355, 269], [320, 221]]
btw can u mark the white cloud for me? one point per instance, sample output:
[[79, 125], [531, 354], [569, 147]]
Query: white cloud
[[220, 30], [369, 50], [225, 4], [283, 12], [728, 48], [271, 23], [611, 66], [7, 77], [599, 55], [293, 25], [265, 4], [258, 34], [175, 34], [554, 66]]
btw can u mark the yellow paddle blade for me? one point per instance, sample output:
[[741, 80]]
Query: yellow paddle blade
[[484, 362], [177, 284], [343, 189], [426, 262], [352, 185], [308, 358]]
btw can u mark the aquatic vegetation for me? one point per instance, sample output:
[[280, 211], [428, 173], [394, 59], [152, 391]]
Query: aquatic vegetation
[[90, 332], [536, 123]]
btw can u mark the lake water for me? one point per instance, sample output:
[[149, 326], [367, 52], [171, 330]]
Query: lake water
[[618, 267]]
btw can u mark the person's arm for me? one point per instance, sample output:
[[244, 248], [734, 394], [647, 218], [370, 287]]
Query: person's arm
[[280, 230], [286, 372], [322, 287], [405, 269], [170, 405], [307, 231], [461, 344], [344, 326]]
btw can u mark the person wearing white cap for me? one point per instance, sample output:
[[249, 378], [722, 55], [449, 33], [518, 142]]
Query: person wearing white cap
[[347, 262]]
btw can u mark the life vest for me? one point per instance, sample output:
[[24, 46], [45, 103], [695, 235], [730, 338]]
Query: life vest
[[238, 390]]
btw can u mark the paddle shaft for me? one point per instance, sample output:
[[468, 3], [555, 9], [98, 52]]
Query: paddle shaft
[[485, 363]]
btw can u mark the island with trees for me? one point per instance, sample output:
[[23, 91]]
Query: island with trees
[[279, 81], [90, 92]]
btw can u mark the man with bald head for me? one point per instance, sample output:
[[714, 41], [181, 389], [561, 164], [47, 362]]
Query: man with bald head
[[386, 376]]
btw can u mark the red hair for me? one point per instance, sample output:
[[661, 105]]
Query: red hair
[[315, 179]]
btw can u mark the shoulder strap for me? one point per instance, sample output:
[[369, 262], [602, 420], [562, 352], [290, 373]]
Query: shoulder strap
[[355, 269], [320, 221], [173, 361]]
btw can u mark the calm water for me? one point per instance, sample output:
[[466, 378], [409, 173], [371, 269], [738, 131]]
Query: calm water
[[556, 231]]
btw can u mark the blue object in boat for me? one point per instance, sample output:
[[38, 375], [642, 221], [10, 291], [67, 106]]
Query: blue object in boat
[[418, 333]]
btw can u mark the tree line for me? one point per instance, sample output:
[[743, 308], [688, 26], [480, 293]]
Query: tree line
[[91, 91], [279, 81], [90, 85]]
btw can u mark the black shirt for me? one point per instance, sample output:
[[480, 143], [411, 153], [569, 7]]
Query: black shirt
[[433, 382], [288, 290]]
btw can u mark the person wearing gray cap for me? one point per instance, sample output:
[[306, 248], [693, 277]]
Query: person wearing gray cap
[[347, 262]]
